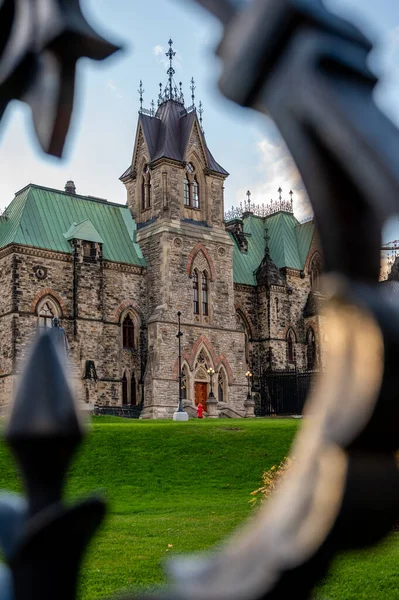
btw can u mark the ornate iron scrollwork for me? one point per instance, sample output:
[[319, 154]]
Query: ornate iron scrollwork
[[40, 44], [343, 490]]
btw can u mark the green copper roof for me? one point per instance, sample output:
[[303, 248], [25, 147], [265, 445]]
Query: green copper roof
[[41, 216], [83, 231], [289, 244]]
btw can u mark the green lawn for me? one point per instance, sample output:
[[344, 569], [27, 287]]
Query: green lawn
[[181, 487]]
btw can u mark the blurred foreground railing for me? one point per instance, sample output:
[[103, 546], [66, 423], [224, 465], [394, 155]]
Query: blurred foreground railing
[[308, 70]]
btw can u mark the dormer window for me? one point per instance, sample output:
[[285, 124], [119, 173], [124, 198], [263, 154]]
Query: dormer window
[[191, 188], [89, 251]]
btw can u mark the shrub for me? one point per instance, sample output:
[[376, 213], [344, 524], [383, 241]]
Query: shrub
[[271, 479]]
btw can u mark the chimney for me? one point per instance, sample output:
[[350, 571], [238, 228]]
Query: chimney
[[70, 187]]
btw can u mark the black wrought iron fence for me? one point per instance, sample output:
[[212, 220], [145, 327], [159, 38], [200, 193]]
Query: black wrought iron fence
[[284, 393]]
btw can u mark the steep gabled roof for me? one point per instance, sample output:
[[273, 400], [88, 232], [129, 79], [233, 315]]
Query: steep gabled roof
[[40, 217], [167, 135]]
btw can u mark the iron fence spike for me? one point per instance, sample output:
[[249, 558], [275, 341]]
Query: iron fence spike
[[44, 403]]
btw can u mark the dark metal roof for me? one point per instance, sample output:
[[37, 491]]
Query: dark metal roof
[[168, 132]]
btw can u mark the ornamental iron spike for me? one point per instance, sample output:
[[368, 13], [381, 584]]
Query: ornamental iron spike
[[192, 88], [201, 112], [170, 54], [44, 426], [141, 91]]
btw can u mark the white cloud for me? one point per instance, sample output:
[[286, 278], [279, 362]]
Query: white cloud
[[114, 89], [277, 169]]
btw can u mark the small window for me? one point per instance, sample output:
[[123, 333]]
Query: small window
[[190, 168], [221, 384], [133, 395], [315, 270], [204, 294], [195, 293], [195, 194], [149, 191], [143, 193], [291, 347], [311, 355], [128, 333], [277, 308], [89, 252], [124, 389], [46, 316], [184, 383], [186, 192]]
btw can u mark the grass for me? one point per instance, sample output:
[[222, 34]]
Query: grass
[[183, 487]]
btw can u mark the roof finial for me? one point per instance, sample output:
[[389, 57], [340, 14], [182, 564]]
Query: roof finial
[[192, 88], [141, 91], [160, 95], [201, 112], [181, 99], [152, 108], [280, 191], [249, 200], [291, 194], [170, 54]]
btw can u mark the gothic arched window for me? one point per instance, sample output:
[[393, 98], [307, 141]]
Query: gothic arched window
[[143, 193], [315, 269], [186, 192], [146, 188], [184, 383], [124, 389], [311, 355], [291, 347], [195, 194], [204, 289], [46, 311], [133, 396], [195, 293], [191, 188], [222, 392], [128, 332]]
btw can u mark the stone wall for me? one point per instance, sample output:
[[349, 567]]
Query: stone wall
[[90, 298]]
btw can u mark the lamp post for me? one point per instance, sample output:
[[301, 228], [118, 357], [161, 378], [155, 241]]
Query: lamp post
[[179, 336], [211, 373], [248, 375]]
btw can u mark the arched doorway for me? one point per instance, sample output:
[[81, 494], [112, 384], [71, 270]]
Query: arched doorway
[[201, 379]]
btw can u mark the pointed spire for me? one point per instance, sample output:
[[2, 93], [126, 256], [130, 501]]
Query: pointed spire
[[141, 91], [171, 54], [201, 112], [192, 88]]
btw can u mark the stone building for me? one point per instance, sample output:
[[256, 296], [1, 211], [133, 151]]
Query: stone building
[[246, 284]]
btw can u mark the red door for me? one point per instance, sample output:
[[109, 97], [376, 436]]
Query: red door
[[201, 393]]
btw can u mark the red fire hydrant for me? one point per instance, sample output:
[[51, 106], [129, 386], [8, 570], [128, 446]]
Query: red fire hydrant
[[200, 411]]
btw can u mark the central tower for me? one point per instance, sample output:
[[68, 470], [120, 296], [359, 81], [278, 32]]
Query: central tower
[[175, 193]]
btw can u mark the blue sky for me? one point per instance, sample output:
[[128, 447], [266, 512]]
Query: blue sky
[[100, 143]]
